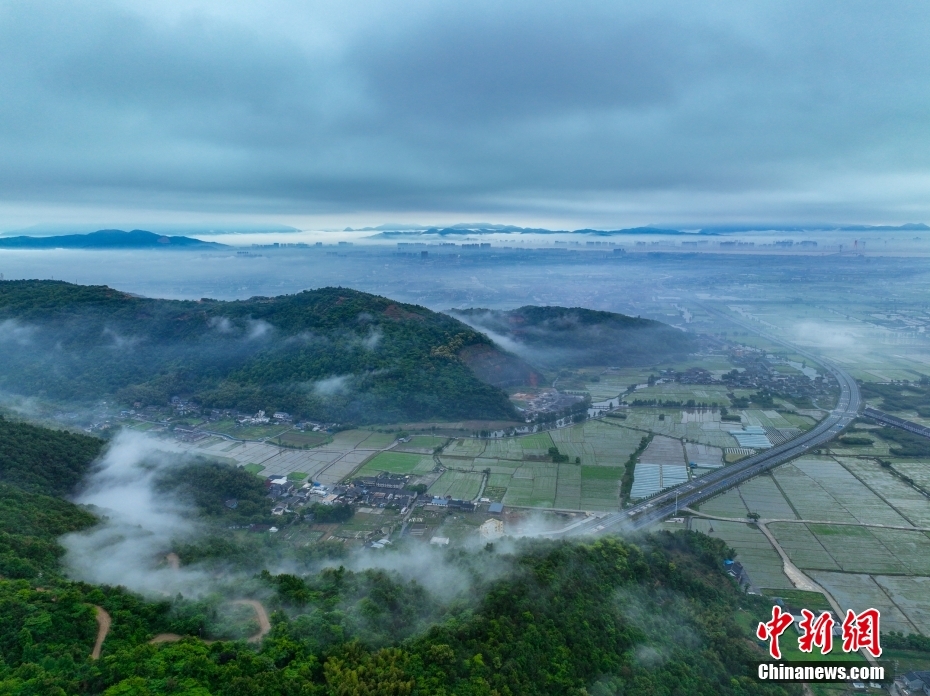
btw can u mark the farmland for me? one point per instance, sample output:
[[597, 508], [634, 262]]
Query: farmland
[[842, 548]]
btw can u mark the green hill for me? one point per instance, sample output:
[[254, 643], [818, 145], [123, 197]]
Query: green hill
[[332, 354], [575, 337]]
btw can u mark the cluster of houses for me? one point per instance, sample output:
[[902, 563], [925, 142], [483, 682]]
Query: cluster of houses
[[289, 496], [383, 490]]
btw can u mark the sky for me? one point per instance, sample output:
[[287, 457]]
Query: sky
[[601, 114]]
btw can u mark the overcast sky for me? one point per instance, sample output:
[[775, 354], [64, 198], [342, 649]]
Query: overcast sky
[[561, 114]]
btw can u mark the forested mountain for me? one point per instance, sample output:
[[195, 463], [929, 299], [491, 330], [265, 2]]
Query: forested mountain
[[603, 617], [332, 354], [575, 337]]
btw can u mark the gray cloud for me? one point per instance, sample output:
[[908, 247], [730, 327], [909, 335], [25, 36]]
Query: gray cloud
[[593, 113]]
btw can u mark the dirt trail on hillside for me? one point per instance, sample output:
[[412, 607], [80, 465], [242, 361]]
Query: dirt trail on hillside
[[173, 560], [264, 625], [165, 638], [103, 627]]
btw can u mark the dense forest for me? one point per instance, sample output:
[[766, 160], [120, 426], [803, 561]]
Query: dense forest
[[41, 460], [333, 354], [600, 617], [576, 337]]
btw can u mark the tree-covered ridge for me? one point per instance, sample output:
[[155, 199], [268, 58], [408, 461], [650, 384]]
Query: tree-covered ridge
[[575, 337], [217, 491], [41, 460], [331, 354], [36, 464], [30, 524]]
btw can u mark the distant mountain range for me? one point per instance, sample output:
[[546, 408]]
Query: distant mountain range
[[161, 228], [107, 239], [415, 231]]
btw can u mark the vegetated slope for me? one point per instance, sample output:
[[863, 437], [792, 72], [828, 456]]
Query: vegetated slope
[[35, 464], [40, 460], [575, 337], [209, 485], [331, 354]]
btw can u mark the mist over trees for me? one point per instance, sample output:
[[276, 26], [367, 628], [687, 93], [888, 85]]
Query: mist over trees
[[332, 354], [600, 617], [576, 337]]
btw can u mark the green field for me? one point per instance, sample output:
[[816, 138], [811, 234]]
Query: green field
[[859, 565], [397, 463], [460, 485]]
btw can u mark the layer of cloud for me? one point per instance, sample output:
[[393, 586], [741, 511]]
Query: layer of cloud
[[605, 113], [140, 525]]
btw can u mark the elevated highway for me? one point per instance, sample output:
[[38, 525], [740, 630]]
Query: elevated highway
[[896, 422], [669, 502]]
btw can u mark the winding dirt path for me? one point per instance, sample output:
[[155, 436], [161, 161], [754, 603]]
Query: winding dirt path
[[103, 627], [264, 625]]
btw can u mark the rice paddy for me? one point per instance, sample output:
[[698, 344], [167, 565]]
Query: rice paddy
[[860, 565]]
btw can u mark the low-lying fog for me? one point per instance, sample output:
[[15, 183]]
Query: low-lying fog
[[818, 296]]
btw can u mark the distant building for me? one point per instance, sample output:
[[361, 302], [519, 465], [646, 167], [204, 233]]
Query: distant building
[[496, 508], [440, 541]]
